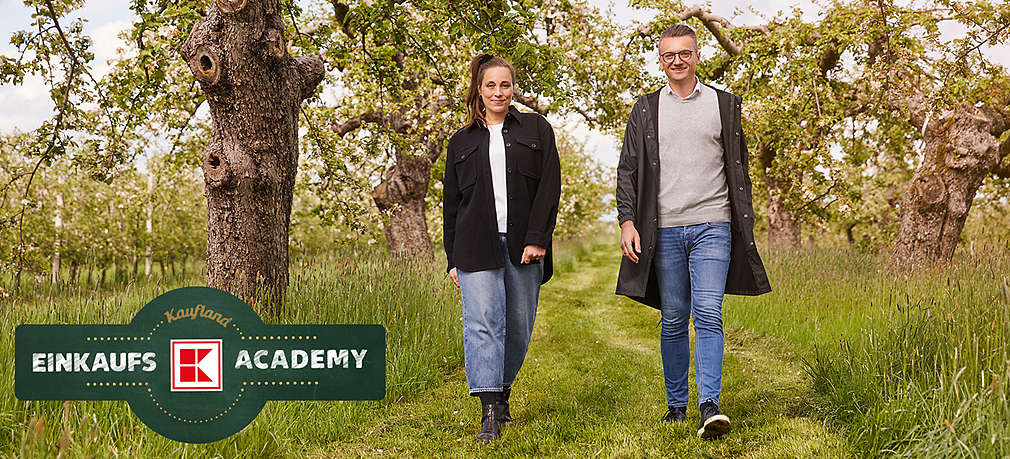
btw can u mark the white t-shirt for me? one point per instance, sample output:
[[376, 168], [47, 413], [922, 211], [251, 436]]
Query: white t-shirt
[[496, 153]]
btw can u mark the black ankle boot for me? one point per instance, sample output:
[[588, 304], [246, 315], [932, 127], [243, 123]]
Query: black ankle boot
[[506, 418], [490, 419]]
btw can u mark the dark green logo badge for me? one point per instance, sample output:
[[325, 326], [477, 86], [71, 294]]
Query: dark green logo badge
[[197, 364]]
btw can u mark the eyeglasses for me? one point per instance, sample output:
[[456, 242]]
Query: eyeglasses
[[671, 56]]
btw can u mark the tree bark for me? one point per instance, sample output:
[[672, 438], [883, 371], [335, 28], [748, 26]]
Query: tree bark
[[254, 89], [401, 194], [960, 151], [783, 226]]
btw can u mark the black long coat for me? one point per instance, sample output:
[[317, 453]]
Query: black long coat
[[533, 186], [638, 191]]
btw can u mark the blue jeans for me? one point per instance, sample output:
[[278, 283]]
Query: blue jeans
[[499, 306], [691, 267]]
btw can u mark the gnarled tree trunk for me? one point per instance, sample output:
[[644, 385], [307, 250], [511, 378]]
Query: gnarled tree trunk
[[783, 229], [254, 89], [960, 151], [783, 226], [401, 193]]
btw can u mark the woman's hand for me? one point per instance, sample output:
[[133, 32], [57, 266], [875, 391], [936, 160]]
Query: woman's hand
[[533, 253], [452, 275]]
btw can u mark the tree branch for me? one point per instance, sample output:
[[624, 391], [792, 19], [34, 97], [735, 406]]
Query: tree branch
[[353, 124], [533, 103], [712, 23]]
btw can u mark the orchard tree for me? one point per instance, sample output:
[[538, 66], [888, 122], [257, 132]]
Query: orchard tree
[[237, 51], [958, 101], [403, 72], [254, 88], [855, 90]]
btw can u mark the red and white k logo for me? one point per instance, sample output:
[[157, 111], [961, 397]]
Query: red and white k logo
[[196, 365]]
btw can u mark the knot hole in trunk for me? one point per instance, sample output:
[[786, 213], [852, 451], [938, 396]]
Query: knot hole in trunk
[[215, 169], [231, 6], [206, 65]]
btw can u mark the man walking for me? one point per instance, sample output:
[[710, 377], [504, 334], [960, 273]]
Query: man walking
[[687, 220]]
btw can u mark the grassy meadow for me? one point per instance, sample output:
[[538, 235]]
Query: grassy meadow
[[904, 363], [844, 358]]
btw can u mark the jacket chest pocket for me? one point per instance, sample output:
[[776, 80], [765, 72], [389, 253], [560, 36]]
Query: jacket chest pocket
[[528, 156], [466, 168]]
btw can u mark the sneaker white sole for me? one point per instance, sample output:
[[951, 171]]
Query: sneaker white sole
[[714, 427]]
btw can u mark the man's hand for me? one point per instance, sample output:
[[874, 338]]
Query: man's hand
[[452, 275], [631, 245], [532, 253]]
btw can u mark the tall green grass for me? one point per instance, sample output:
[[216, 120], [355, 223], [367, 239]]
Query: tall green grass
[[415, 302], [908, 363]]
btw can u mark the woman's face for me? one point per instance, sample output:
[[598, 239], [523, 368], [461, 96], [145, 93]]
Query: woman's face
[[496, 90]]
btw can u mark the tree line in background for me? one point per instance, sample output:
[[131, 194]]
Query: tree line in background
[[152, 220], [865, 122]]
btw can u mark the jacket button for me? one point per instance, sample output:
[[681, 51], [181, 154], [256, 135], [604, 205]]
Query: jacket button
[[533, 145], [509, 170], [738, 134], [738, 161], [752, 243], [654, 219], [508, 144], [741, 188], [746, 216], [655, 163], [506, 131]]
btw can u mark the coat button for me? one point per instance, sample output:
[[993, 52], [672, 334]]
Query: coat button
[[741, 188], [738, 134], [505, 131], [533, 145], [655, 163], [746, 216], [509, 170], [738, 161], [508, 144], [752, 243]]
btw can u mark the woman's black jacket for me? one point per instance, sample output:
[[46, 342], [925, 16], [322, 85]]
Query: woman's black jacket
[[533, 183]]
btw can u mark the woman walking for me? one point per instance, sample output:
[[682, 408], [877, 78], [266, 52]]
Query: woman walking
[[501, 190]]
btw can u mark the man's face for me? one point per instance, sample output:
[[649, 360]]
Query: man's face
[[672, 52]]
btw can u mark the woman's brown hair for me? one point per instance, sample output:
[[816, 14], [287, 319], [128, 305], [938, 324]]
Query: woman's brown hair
[[479, 64]]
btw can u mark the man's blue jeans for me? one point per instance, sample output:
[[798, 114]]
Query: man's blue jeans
[[691, 267], [499, 306]]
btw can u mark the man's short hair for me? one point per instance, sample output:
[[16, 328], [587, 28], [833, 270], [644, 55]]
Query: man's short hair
[[680, 30]]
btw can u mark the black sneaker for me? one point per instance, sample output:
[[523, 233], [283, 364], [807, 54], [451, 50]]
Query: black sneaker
[[506, 418], [490, 419], [676, 414], [713, 424]]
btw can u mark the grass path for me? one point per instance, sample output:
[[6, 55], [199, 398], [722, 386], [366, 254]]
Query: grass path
[[592, 386]]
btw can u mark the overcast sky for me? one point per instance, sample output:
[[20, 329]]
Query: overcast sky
[[24, 107]]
